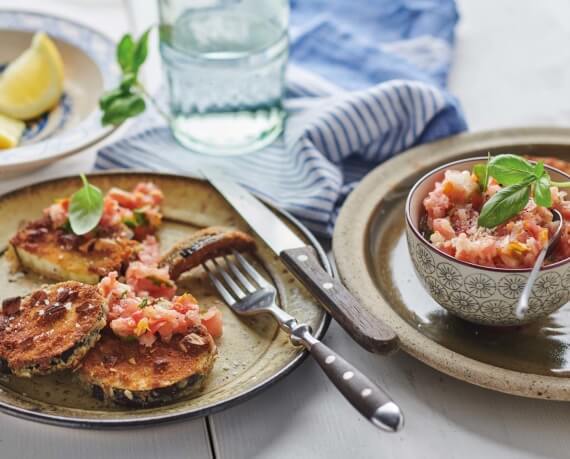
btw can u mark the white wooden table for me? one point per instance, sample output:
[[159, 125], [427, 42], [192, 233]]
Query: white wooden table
[[511, 68]]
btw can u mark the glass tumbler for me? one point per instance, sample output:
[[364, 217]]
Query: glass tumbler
[[225, 67]]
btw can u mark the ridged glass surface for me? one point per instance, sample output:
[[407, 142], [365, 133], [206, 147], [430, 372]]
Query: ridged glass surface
[[225, 69]]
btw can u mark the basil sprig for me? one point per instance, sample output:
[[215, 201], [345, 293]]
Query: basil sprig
[[128, 99], [482, 173], [85, 208], [520, 180]]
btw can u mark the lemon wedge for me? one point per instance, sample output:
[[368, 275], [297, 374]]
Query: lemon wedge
[[10, 131], [33, 82]]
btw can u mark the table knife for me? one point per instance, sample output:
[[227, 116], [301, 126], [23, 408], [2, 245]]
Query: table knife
[[366, 329]]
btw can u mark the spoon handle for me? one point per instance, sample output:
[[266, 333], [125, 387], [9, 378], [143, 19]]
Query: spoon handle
[[522, 305]]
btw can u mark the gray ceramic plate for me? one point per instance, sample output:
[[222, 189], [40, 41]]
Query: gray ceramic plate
[[373, 260], [253, 353]]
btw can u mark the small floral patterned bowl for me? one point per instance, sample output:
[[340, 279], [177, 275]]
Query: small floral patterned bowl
[[475, 293]]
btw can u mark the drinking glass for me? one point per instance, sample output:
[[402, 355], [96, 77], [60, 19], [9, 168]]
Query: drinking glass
[[225, 64]]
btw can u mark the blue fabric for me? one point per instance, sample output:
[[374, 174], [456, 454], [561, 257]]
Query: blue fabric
[[366, 82], [358, 43]]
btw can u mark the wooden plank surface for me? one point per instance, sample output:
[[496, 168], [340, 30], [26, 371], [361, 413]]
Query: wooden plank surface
[[21, 439], [304, 417]]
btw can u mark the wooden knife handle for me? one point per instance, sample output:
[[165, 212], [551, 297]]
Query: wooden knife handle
[[367, 330]]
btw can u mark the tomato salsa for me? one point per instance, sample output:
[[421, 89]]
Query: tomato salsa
[[451, 224]]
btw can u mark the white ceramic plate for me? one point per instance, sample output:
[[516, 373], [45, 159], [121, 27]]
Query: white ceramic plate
[[90, 69]]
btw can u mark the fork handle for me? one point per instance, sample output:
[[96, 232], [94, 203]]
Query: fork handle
[[371, 401], [366, 329]]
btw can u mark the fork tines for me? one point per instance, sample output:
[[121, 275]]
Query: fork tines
[[231, 288]]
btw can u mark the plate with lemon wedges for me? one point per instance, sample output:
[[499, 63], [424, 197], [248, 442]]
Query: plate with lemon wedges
[[52, 73]]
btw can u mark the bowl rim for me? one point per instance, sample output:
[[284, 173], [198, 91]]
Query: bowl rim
[[434, 249], [95, 45]]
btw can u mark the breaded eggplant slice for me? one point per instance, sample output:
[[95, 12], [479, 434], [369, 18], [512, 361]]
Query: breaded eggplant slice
[[128, 373], [51, 329], [202, 246], [61, 255]]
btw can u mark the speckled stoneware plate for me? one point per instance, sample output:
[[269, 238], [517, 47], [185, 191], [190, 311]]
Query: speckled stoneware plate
[[90, 68], [373, 260], [253, 352]]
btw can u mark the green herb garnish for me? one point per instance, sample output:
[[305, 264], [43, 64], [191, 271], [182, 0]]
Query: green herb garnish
[[505, 204], [139, 219], [521, 181], [128, 99], [144, 303], [85, 208], [482, 173], [66, 227]]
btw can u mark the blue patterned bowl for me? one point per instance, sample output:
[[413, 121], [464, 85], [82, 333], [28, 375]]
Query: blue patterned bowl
[[90, 69], [475, 293]]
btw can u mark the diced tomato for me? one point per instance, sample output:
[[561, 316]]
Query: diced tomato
[[185, 303], [149, 253], [212, 320], [111, 213], [156, 325], [463, 218], [123, 326], [443, 227], [147, 193], [453, 208], [481, 251], [459, 186], [137, 315], [113, 290], [436, 204], [123, 198], [150, 280], [58, 212]]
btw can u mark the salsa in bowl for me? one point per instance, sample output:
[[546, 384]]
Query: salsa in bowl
[[474, 237]]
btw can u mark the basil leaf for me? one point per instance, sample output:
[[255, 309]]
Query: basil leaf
[[85, 208], [510, 169], [539, 169], [108, 97], [123, 107], [481, 171], [506, 203], [542, 195], [141, 51], [125, 52], [127, 82]]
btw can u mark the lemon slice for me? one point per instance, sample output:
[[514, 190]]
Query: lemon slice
[[10, 131], [33, 83]]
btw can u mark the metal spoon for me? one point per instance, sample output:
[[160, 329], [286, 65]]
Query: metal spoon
[[522, 305]]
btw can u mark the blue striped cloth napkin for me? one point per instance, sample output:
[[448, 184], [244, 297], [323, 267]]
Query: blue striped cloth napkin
[[339, 127]]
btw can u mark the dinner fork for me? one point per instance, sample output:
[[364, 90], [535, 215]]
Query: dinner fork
[[248, 293]]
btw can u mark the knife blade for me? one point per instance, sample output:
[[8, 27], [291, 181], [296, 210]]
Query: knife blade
[[365, 328]]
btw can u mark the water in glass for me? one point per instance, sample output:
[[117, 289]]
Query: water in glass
[[225, 64]]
